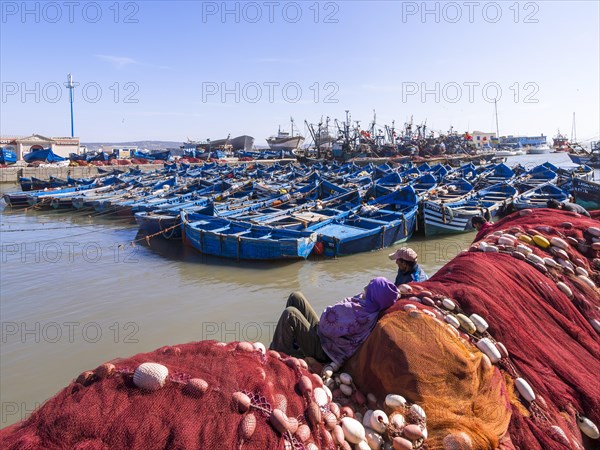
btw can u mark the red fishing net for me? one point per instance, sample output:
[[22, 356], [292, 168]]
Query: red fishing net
[[470, 403]]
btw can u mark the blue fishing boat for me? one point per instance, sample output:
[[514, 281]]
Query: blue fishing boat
[[538, 197], [378, 224], [455, 217], [586, 193], [244, 241], [8, 155]]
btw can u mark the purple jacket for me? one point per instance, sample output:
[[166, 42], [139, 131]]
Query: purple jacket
[[343, 327]]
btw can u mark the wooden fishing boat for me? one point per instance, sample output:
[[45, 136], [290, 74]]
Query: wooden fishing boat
[[455, 217], [538, 197], [244, 241], [586, 193]]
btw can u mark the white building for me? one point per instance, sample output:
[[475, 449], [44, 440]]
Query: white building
[[61, 146], [481, 138], [122, 152]]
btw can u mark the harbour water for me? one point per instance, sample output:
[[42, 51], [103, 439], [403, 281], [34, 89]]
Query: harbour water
[[75, 293]]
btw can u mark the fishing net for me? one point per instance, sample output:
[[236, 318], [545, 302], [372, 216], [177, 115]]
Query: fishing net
[[414, 351], [548, 334]]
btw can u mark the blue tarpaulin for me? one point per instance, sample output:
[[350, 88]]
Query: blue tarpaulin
[[45, 154]]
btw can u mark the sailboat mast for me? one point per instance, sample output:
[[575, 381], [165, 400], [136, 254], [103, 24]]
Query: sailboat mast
[[573, 130], [497, 129]]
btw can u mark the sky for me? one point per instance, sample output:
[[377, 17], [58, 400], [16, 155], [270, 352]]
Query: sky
[[158, 70]]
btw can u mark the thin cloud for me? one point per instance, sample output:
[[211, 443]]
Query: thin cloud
[[120, 62]]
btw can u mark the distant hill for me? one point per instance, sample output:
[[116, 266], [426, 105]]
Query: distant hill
[[150, 145]]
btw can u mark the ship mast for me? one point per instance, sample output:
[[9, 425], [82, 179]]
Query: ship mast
[[497, 129]]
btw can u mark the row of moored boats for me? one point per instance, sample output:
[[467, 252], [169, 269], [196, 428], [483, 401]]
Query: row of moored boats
[[261, 212]]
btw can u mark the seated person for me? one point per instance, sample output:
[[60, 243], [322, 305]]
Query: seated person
[[340, 331], [408, 268]]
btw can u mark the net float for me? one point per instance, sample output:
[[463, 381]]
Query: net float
[[346, 390], [335, 409], [328, 393], [448, 304], [568, 271], [479, 322], [379, 421], [150, 376], [338, 434], [483, 245], [551, 263], [571, 240], [280, 421], [541, 267], [374, 439], [259, 347], [274, 354], [559, 435], [196, 387], [429, 313], [519, 256], [466, 323], [420, 412], [558, 242], [594, 231], [525, 389], [329, 420], [244, 347], [595, 324], [506, 240], [596, 246], [397, 421], [491, 249], [414, 299], [452, 330], [427, 301], [412, 432], [582, 271], [305, 385], [400, 443], [366, 420], [105, 370], [526, 238], [313, 414], [588, 427], [320, 396], [362, 445], [404, 288], [524, 249], [303, 433], [502, 349], [587, 281], [452, 321], [248, 426], [359, 398], [371, 400], [497, 233], [242, 401], [316, 379], [487, 347], [327, 371], [303, 364], [354, 432], [559, 252], [426, 294], [532, 257], [409, 306], [566, 225]]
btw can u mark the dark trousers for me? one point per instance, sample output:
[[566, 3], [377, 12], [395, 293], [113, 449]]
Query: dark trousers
[[296, 333]]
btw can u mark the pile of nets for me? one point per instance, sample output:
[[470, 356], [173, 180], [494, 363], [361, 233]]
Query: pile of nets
[[545, 316], [498, 350]]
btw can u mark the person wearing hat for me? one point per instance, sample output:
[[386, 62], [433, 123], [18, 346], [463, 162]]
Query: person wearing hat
[[408, 268], [341, 329]]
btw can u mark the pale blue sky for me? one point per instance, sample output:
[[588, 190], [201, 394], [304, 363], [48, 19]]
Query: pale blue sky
[[175, 58]]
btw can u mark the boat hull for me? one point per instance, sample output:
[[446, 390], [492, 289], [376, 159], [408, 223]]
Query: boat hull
[[586, 193]]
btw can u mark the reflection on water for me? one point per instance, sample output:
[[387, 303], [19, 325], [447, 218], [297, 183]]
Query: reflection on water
[[75, 293]]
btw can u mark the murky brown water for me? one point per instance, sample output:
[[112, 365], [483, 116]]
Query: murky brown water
[[71, 298]]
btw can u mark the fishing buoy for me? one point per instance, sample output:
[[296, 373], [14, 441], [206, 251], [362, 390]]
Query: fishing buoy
[[346, 378], [487, 347], [594, 231], [526, 238], [532, 257], [466, 323], [379, 421], [558, 242], [582, 271], [394, 401], [524, 389], [354, 432], [150, 376], [420, 412], [587, 281], [479, 322], [452, 321], [374, 439], [588, 427], [522, 248], [448, 304]]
